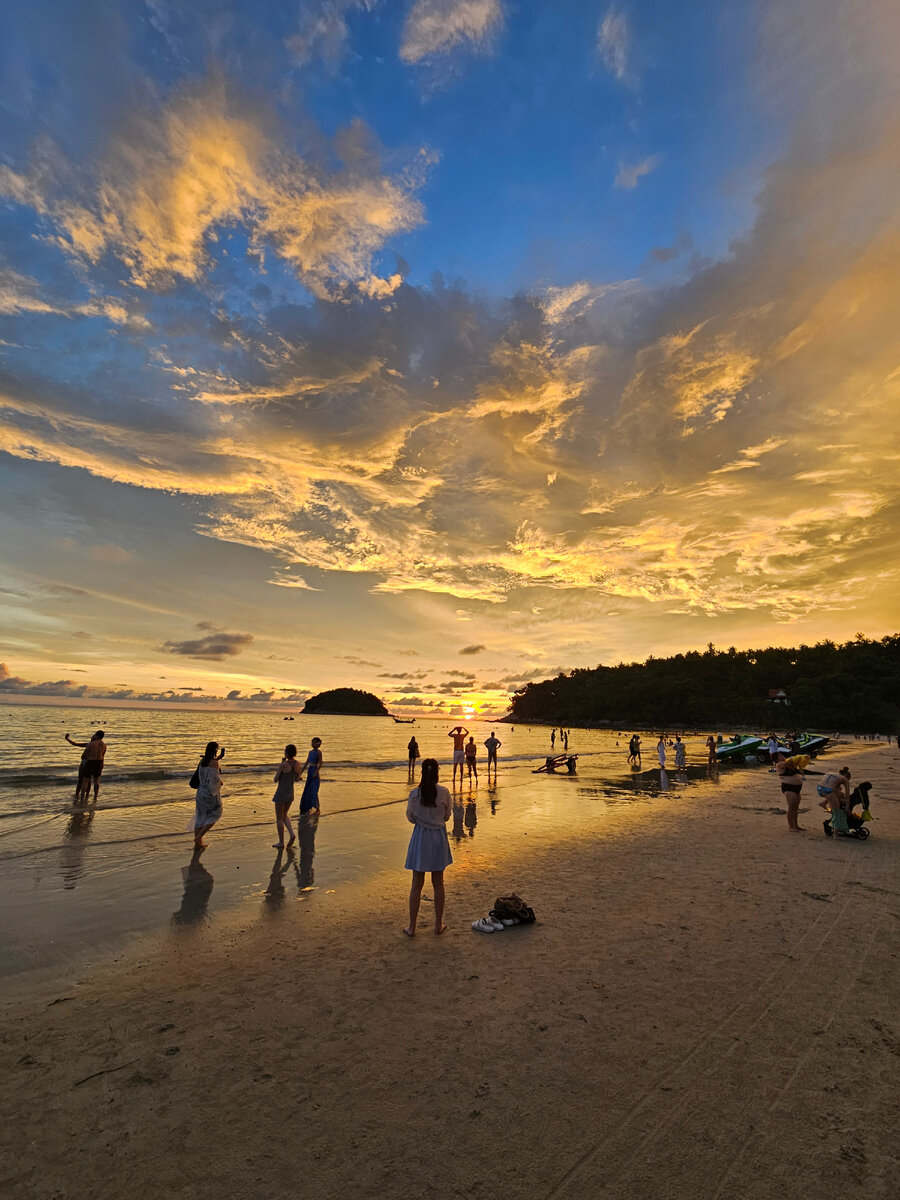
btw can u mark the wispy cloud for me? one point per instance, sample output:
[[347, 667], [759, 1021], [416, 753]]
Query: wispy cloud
[[614, 43], [436, 27], [629, 174], [475, 649]]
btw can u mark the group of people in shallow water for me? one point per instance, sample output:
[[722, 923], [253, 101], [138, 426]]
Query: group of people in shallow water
[[208, 803]]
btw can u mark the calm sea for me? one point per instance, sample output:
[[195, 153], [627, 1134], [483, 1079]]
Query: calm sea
[[77, 881]]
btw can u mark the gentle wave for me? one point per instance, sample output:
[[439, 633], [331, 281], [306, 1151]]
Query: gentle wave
[[55, 773]]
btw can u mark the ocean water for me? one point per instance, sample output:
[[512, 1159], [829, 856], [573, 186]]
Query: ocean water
[[77, 881]]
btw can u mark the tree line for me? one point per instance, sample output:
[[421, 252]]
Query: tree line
[[852, 687]]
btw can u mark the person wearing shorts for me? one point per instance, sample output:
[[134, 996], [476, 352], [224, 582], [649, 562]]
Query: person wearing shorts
[[492, 744], [459, 753], [91, 766]]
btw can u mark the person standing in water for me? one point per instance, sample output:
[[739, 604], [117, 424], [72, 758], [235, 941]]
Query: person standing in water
[[413, 749], [428, 809], [91, 766], [208, 805], [492, 745], [459, 758], [286, 775], [309, 801], [471, 757]]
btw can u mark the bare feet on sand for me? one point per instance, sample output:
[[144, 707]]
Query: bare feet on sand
[[439, 929], [407, 932]]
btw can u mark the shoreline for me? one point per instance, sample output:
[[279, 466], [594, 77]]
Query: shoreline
[[706, 1007]]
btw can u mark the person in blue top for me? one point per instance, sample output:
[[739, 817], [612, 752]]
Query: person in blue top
[[309, 801]]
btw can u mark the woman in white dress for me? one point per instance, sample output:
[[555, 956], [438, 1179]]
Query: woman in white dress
[[428, 810], [208, 808]]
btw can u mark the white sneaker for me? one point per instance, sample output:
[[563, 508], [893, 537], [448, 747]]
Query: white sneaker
[[484, 925], [497, 925]]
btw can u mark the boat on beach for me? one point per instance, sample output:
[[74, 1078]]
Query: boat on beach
[[739, 747]]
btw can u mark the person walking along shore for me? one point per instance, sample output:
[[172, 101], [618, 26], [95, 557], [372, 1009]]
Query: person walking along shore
[[286, 775], [309, 801], [429, 808], [208, 804]]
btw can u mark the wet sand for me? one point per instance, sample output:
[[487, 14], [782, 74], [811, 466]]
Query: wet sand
[[707, 1008]]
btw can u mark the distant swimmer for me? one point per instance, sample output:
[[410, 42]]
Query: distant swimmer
[[492, 745], [459, 755], [471, 758], [309, 801], [208, 805], [91, 767]]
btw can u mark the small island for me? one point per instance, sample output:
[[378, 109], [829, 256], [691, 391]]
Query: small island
[[346, 702]]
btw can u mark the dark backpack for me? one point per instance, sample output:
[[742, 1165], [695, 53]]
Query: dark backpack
[[194, 781], [513, 906]]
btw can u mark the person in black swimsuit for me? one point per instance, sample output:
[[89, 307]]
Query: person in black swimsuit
[[791, 786]]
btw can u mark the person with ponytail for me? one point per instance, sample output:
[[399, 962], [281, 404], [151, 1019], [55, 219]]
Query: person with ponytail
[[208, 807], [428, 809]]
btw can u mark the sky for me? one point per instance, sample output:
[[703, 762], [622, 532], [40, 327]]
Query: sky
[[435, 346]]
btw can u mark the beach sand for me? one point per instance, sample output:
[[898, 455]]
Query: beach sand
[[707, 1008]]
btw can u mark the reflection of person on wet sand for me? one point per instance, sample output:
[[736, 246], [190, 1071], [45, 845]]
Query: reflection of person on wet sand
[[91, 767], [273, 896], [198, 886], [71, 855], [471, 817], [459, 828], [306, 838]]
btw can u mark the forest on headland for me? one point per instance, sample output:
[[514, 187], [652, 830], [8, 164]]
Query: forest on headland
[[851, 687]]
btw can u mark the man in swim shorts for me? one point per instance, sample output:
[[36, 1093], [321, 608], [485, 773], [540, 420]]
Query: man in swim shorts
[[492, 745], [459, 751], [91, 767]]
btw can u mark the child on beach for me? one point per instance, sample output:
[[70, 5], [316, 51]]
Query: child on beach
[[428, 809], [309, 801], [287, 773]]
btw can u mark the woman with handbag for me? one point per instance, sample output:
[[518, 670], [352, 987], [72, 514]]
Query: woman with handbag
[[208, 806]]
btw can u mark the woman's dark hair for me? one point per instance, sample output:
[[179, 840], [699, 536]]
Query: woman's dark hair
[[209, 753], [290, 751], [96, 736], [428, 783]]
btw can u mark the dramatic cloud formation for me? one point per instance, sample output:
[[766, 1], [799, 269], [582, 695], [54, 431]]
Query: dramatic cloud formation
[[212, 319], [437, 26], [173, 178]]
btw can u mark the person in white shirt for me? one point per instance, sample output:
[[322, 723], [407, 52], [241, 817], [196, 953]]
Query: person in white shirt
[[428, 809]]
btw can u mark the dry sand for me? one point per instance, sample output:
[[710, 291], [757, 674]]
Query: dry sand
[[706, 1009]]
